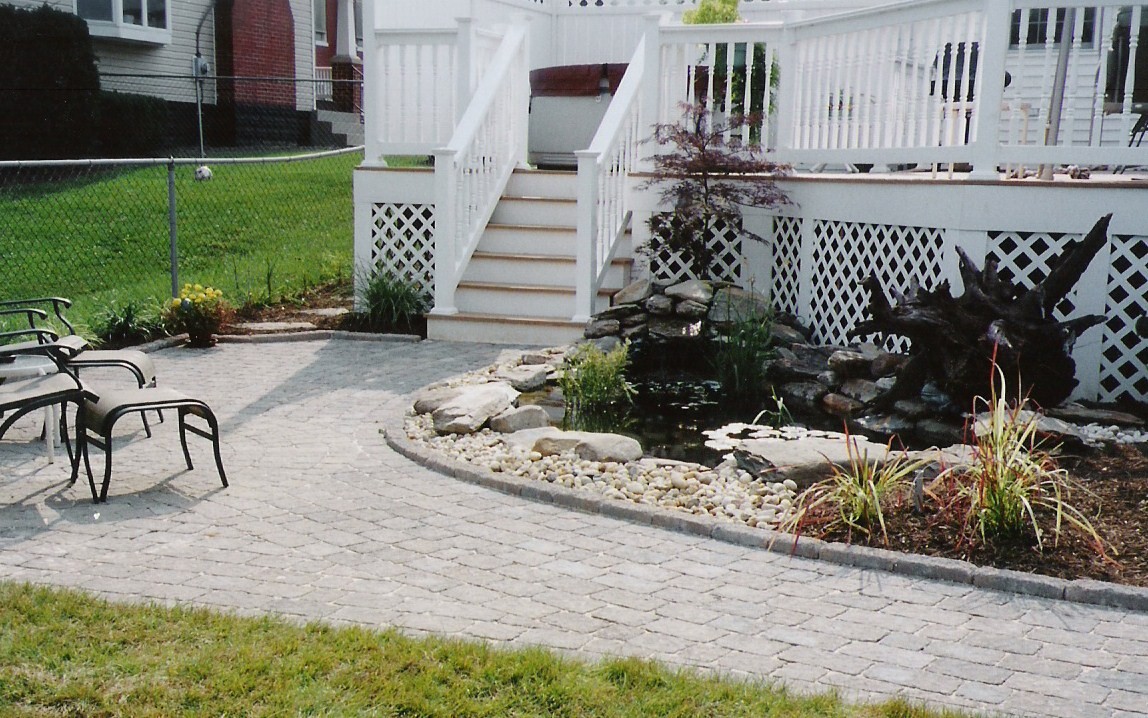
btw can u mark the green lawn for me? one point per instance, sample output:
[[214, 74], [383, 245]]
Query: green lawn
[[256, 231], [63, 653]]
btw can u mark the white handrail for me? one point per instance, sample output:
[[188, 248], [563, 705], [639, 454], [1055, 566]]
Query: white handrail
[[603, 204], [473, 169]]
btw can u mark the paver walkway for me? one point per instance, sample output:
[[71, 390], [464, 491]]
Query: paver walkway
[[323, 521]]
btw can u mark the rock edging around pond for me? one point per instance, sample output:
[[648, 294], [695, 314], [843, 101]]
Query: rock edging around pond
[[824, 383], [927, 567]]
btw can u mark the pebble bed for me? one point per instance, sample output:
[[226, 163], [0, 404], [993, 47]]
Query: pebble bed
[[724, 492]]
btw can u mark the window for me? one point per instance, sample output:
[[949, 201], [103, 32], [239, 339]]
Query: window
[[136, 20], [359, 24], [1037, 31], [319, 11]]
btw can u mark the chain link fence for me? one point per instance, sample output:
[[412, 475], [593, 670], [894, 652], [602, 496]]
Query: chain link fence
[[105, 232]]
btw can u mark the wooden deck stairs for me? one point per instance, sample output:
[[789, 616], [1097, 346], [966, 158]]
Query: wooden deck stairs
[[519, 285]]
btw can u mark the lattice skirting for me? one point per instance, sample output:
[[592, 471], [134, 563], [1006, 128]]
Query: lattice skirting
[[1124, 354], [402, 242], [846, 253], [726, 242], [786, 285]]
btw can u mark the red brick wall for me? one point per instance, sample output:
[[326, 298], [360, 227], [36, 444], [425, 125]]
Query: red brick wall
[[256, 38]]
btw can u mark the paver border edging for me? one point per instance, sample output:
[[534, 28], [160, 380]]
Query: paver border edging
[[1085, 591], [302, 336]]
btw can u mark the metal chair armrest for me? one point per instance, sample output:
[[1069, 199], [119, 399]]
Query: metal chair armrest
[[30, 312], [59, 304]]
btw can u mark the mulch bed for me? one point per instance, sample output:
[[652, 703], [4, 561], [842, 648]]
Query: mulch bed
[[325, 297], [1112, 492]]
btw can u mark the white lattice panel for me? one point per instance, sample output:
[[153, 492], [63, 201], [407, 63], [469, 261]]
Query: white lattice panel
[[402, 242], [1124, 354], [786, 264], [1023, 257], [846, 253], [725, 241]]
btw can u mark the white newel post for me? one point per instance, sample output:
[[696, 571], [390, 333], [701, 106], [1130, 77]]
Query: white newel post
[[787, 92], [990, 90], [586, 266], [371, 110], [464, 66], [445, 232], [650, 103]]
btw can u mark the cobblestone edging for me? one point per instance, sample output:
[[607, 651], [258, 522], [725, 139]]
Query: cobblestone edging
[[300, 336], [929, 567]]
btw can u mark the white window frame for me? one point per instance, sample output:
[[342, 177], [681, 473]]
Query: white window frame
[[319, 11], [117, 29]]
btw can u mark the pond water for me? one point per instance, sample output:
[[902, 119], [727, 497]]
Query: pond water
[[668, 416]]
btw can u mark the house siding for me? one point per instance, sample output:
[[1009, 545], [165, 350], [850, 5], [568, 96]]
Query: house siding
[[174, 58]]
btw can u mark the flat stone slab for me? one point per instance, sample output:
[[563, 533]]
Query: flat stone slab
[[326, 311], [275, 327]]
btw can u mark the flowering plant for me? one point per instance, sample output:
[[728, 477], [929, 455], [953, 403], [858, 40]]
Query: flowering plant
[[200, 311]]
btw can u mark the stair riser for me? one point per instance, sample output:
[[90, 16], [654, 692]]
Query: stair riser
[[543, 184], [538, 213], [545, 272], [527, 240], [495, 332], [515, 302], [517, 240]]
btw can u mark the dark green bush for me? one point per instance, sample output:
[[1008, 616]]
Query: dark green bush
[[128, 324], [132, 125], [49, 92], [388, 303]]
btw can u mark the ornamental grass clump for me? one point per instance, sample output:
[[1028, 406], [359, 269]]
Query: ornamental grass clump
[[856, 495], [198, 311], [1012, 480], [594, 386]]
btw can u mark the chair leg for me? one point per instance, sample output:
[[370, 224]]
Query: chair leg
[[183, 437], [88, 469], [107, 467], [214, 424]]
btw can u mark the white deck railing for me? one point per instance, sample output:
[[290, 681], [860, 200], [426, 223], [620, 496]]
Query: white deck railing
[[473, 169], [604, 210], [324, 89]]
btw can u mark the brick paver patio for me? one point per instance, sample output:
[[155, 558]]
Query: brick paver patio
[[323, 521]]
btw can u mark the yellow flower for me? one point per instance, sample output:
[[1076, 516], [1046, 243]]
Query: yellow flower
[[199, 287], [176, 302]]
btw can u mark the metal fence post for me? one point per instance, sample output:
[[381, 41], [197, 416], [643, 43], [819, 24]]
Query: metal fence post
[[171, 227]]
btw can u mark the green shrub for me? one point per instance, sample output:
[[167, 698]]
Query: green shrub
[[594, 386], [133, 322], [132, 125], [387, 302], [49, 107]]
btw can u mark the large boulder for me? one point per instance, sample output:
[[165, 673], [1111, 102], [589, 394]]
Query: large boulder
[[467, 412], [526, 377], [524, 417], [590, 446], [732, 304], [634, 292], [695, 289], [427, 402]]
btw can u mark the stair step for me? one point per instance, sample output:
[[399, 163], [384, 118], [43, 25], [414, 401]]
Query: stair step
[[536, 211], [543, 183], [522, 300], [497, 329], [529, 239], [549, 270]]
